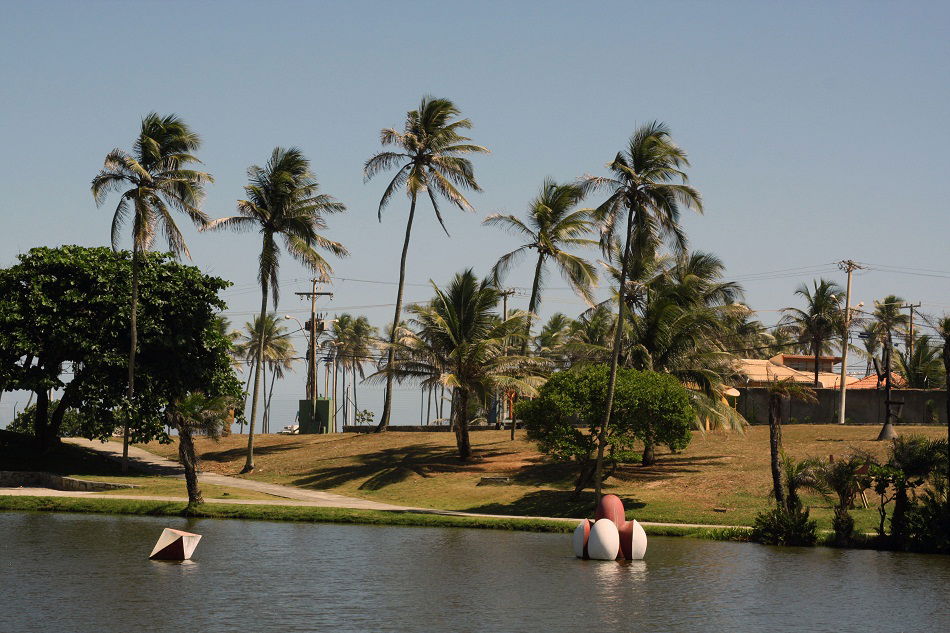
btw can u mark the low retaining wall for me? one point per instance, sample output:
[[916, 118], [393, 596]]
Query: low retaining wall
[[863, 406], [420, 428], [56, 482]]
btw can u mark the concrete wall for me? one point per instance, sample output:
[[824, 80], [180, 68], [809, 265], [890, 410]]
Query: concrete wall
[[56, 482], [863, 406]]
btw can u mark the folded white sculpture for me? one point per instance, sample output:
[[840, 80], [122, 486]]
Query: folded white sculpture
[[604, 540], [175, 545]]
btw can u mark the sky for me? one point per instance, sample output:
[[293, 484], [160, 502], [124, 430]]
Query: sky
[[816, 132]]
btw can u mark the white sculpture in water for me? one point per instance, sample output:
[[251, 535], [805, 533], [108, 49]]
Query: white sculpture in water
[[610, 535], [175, 545]]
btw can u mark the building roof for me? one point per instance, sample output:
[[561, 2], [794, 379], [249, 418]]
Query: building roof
[[870, 382], [764, 371], [781, 358]]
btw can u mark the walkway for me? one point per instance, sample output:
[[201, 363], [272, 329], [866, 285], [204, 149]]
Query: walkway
[[143, 461]]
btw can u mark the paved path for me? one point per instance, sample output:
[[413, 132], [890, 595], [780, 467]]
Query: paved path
[[143, 461]]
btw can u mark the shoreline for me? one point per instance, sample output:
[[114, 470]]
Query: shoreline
[[323, 514]]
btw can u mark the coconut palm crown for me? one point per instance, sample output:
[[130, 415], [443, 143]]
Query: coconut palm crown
[[429, 159], [283, 203], [552, 225]]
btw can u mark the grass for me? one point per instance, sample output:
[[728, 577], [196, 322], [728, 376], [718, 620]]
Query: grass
[[324, 515], [72, 461], [720, 479]]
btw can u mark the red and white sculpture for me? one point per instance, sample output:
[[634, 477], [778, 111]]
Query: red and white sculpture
[[175, 545], [610, 536]]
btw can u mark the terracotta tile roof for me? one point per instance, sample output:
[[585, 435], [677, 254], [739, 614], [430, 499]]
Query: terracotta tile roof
[[870, 382], [764, 371]]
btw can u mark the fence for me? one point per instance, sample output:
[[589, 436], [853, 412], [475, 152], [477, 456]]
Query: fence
[[863, 406]]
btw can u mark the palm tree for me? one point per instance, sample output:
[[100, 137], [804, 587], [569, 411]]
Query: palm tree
[[942, 326], [196, 413], [845, 478], [430, 160], [458, 340], [779, 390], [552, 225], [283, 200], [819, 322], [923, 369], [914, 459], [153, 179], [355, 342], [278, 351], [643, 189], [872, 345]]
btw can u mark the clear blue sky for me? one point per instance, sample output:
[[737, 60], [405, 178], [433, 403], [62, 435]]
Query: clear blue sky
[[817, 131]]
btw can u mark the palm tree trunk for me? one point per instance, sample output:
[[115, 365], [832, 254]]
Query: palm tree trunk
[[270, 396], [532, 303], [614, 361], [346, 403], [249, 463], [946, 367], [817, 346], [461, 424], [355, 403], [186, 455], [247, 388], [134, 339], [388, 398], [429, 406], [775, 446]]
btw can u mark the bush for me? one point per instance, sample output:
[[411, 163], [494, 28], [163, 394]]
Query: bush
[[928, 522], [649, 407], [784, 527], [843, 526]]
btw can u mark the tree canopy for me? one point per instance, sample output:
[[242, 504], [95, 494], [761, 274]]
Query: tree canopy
[[63, 316]]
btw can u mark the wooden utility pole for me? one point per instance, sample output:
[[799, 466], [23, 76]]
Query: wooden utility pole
[[313, 294], [848, 266], [504, 307], [910, 339]]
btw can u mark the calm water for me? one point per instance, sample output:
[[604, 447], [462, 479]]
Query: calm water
[[80, 573]]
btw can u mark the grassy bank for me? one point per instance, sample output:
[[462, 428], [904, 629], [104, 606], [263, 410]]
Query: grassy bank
[[720, 479], [319, 515]]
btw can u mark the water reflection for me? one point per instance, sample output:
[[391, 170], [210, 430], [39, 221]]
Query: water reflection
[[302, 577]]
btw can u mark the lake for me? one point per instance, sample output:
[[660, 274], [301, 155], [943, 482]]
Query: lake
[[90, 573]]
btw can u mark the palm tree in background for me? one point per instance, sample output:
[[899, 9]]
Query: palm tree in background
[[458, 340], [197, 413], [923, 369], [819, 322], [646, 192], [153, 180], [942, 326], [552, 225], [430, 159], [355, 342], [779, 391], [278, 352], [283, 201]]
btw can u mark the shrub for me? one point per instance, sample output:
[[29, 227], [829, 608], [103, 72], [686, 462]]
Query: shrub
[[25, 421], [784, 527]]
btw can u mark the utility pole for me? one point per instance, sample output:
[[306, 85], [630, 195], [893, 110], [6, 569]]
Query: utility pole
[[313, 294], [848, 266], [910, 340], [504, 307]]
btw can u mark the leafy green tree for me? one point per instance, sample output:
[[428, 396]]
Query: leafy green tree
[[62, 316], [911, 462], [942, 327], [643, 206], [648, 407], [552, 226], [283, 203], [191, 414], [153, 180], [819, 322], [458, 340], [429, 159], [841, 481]]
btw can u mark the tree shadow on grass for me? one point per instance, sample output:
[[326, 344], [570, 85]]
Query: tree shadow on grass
[[240, 452], [392, 465], [552, 503]]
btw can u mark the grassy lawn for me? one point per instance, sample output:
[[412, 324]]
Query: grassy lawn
[[720, 479], [71, 461]]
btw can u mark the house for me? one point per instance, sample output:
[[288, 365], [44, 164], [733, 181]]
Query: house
[[797, 367], [871, 382]]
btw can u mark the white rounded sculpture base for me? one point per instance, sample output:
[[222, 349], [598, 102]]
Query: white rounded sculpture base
[[604, 541]]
